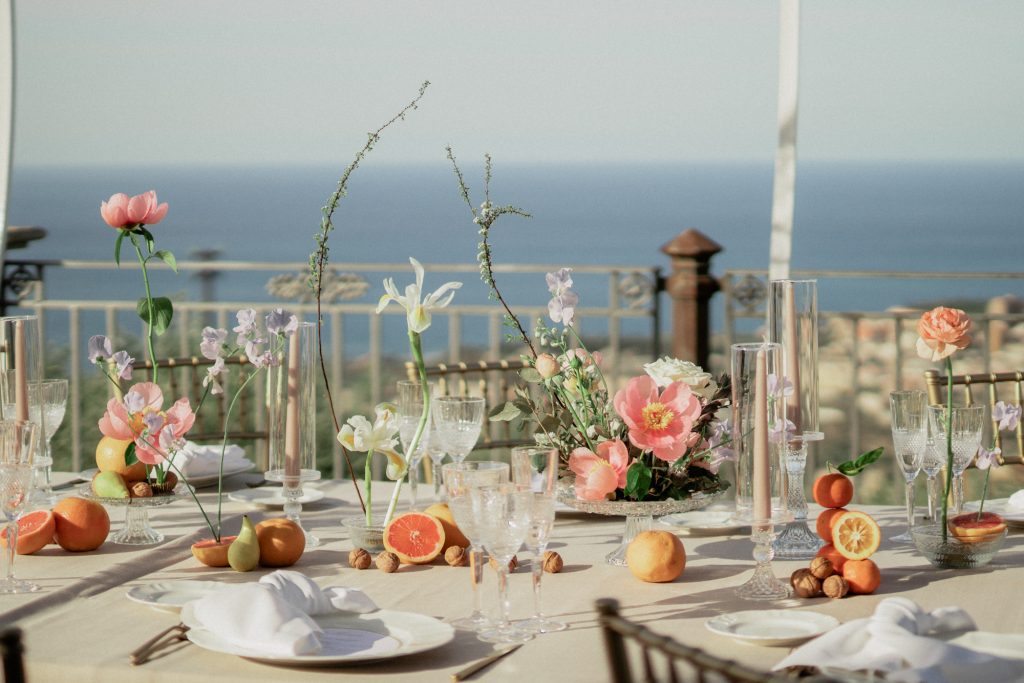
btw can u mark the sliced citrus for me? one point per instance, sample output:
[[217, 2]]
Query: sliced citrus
[[825, 521], [35, 530], [856, 535], [416, 537], [213, 553], [970, 527]]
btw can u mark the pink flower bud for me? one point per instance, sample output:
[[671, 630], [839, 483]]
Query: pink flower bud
[[547, 365]]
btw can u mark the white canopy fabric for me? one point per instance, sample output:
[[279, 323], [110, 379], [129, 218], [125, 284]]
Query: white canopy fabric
[[6, 112], [784, 187]]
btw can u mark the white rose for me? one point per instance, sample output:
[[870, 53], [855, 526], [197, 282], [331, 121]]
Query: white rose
[[665, 371]]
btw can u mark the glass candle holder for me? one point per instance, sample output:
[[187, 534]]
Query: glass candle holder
[[21, 365], [291, 393]]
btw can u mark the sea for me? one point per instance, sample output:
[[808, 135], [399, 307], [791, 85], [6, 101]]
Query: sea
[[889, 216]]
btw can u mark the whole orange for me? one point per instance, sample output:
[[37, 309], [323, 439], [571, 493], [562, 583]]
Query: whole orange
[[828, 550], [833, 490], [825, 519], [282, 542], [80, 524], [110, 458], [656, 556], [452, 534], [863, 576]]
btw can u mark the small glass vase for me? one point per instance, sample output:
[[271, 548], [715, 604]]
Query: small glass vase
[[369, 537], [951, 552]]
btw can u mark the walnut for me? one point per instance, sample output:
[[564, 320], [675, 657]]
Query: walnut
[[456, 556], [359, 559], [387, 562], [552, 562], [822, 568], [807, 586], [513, 564], [799, 573], [836, 586], [141, 489]]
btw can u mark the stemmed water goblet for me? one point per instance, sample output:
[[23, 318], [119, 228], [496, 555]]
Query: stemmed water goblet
[[18, 439], [410, 412], [51, 397], [535, 470], [965, 427], [458, 421], [460, 480], [909, 438], [931, 464], [503, 521]]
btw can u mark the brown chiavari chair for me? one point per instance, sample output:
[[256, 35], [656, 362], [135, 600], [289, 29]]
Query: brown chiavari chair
[[997, 386]]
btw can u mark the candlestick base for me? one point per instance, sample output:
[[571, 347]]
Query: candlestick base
[[797, 541], [292, 492], [763, 585]]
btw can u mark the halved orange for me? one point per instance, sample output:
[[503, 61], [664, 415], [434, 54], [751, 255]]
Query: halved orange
[[35, 530], [856, 535], [416, 537], [825, 520]]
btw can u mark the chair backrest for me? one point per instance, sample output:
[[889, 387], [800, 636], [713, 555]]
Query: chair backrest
[[998, 386], [11, 652], [663, 659], [183, 377], [495, 381]]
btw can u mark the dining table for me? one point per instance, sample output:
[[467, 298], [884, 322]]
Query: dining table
[[81, 626]]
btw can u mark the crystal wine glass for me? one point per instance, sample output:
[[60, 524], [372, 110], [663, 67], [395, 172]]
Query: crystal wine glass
[[460, 479], [18, 441], [503, 521], [966, 424], [932, 465], [410, 412], [909, 438], [50, 396], [536, 470], [458, 421]]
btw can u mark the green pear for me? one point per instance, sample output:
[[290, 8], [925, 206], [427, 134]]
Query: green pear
[[244, 551], [109, 485]]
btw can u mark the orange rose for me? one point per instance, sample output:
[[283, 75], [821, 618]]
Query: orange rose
[[943, 331]]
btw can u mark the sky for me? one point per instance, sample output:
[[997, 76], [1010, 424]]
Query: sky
[[202, 82]]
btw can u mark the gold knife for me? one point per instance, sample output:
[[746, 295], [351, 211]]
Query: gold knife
[[484, 663]]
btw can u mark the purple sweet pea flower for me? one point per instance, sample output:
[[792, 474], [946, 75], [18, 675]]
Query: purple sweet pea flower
[[246, 325], [169, 444], [775, 431], [99, 348], [124, 364], [213, 342], [1007, 415], [562, 307], [988, 458], [281, 321], [134, 402], [154, 422], [773, 386], [211, 376]]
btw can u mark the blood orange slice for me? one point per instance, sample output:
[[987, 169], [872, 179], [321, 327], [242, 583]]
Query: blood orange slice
[[856, 535], [416, 537], [969, 527], [35, 530]]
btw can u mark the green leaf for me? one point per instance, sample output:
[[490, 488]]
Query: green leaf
[[857, 465], [130, 457], [531, 375], [168, 258], [150, 242], [163, 311], [117, 247], [638, 480], [505, 413]]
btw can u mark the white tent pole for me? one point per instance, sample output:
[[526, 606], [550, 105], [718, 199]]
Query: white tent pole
[[6, 113], [784, 186]]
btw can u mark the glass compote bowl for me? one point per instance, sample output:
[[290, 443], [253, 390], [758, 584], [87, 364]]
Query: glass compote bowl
[[137, 530], [460, 480]]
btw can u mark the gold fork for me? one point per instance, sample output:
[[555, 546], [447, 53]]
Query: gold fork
[[169, 636]]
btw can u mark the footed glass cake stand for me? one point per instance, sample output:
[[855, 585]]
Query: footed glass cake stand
[[136, 529], [639, 515]]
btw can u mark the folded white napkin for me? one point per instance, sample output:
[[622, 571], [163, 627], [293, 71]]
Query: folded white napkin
[[274, 615], [201, 460], [897, 639], [1016, 502]]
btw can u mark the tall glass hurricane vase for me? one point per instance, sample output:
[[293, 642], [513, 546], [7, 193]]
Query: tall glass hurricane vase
[[291, 391], [21, 365], [18, 444], [910, 441], [793, 322]]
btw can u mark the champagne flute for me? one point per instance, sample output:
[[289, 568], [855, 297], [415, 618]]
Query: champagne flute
[[49, 396], [503, 521], [536, 470], [460, 479], [458, 421], [910, 439], [932, 465], [18, 439], [966, 424], [410, 412]]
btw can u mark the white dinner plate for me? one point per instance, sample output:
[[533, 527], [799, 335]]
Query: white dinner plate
[[197, 481], [171, 596], [346, 637], [773, 626], [1013, 517], [272, 496], [705, 523]]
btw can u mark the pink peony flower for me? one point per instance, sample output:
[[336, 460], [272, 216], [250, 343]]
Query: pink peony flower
[[122, 212], [138, 417], [942, 332], [662, 424], [599, 474]]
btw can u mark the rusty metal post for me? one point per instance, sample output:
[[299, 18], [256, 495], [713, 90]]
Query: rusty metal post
[[691, 286]]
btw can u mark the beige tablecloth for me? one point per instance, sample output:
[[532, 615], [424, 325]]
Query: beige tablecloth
[[81, 627]]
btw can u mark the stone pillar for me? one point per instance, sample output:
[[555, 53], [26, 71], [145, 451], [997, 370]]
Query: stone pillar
[[691, 286]]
